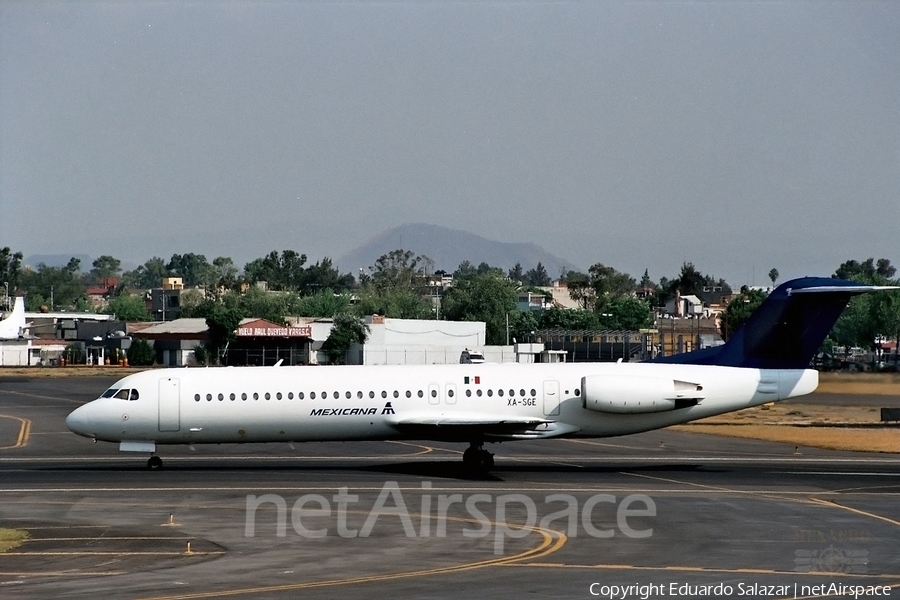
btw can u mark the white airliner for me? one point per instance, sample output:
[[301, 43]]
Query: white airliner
[[13, 326], [765, 361]]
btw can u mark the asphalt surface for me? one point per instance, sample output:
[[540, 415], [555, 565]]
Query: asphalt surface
[[363, 520]]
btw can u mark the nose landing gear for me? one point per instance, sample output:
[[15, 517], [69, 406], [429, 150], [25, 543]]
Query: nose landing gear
[[154, 463]]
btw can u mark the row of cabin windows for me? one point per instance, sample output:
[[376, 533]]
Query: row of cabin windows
[[336, 395]]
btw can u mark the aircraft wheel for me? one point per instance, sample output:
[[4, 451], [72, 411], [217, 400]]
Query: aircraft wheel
[[478, 461], [470, 457], [154, 463], [485, 461]]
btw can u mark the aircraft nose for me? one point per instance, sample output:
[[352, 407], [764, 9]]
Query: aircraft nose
[[79, 421]]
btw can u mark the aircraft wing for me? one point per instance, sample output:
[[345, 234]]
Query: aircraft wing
[[465, 427]]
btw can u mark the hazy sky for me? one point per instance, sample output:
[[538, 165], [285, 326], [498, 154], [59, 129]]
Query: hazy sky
[[740, 136]]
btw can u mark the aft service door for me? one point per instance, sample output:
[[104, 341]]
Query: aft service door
[[169, 405], [551, 398]]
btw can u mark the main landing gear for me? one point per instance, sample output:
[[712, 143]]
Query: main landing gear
[[154, 463], [477, 459]]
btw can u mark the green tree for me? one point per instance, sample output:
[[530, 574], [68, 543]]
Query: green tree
[[866, 271], [401, 270], [396, 304], [487, 298], [573, 320], [272, 306], [194, 269], [222, 321], [190, 300], [225, 272], [128, 308], [346, 331], [522, 324], [645, 280], [579, 285], [105, 267], [516, 274], [280, 272], [628, 313], [602, 285], [141, 354], [464, 269], [63, 284], [323, 275], [690, 281], [869, 316], [325, 303], [148, 275], [201, 355], [10, 270], [486, 269], [738, 311], [773, 275], [538, 276]]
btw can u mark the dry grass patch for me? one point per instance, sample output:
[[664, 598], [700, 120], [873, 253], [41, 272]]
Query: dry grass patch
[[881, 384], [11, 538], [78, 371], [796, 413], [830, 438]]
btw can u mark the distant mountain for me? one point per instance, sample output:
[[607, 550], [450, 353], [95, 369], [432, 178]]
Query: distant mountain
[[450, 247]]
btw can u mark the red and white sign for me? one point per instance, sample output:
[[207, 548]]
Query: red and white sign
[[263, 328]]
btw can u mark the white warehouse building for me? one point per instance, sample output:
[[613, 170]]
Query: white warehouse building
[[416, 342]]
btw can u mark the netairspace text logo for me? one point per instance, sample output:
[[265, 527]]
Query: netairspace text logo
[[433, 514]]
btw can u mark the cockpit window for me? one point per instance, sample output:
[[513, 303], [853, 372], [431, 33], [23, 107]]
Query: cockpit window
[[134, 395], [110, 393], [122, 394]]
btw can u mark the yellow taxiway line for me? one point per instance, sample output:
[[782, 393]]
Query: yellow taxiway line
[[24, 432]]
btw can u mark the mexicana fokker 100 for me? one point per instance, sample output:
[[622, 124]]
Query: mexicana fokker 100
[[764, 361]]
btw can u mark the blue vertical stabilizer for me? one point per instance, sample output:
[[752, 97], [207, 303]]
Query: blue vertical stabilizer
[[786, 330]]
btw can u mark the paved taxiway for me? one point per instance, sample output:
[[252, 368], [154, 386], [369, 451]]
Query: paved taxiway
[[730, 511]]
